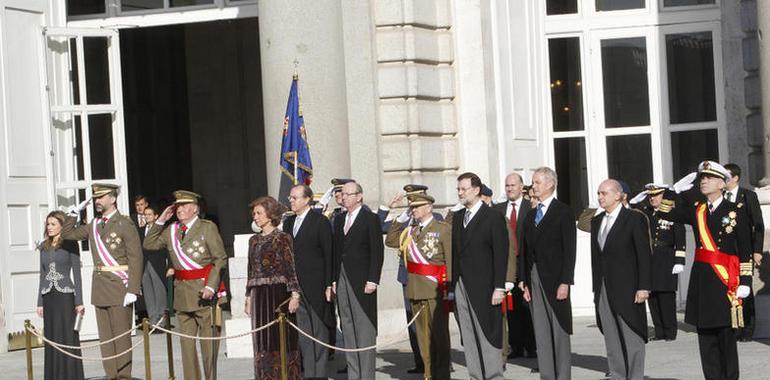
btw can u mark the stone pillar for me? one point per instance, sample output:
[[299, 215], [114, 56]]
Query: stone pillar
[[309, 32], [763, 31]]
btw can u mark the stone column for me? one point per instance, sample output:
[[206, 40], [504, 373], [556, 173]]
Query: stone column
[[763, 30], [309, 32]]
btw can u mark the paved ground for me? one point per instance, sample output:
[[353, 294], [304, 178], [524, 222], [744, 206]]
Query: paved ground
[[665, 360]]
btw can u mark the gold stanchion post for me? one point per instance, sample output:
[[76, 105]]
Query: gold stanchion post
[[28, 343], [282, 342], [169, 349], [147, 362]]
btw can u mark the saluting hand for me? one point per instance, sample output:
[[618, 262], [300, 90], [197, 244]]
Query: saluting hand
[[166, 215]]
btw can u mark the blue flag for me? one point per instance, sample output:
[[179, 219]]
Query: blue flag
[[296, 165]]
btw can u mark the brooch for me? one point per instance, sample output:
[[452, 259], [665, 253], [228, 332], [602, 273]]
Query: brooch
[[429, 244]]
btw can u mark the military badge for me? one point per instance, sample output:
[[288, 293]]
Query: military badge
[[189, 250], [728, 222], [113, 235], [429, 244], [118, 240], [196, 254], [739, 205], [196, 243], [202, 249], [113, 246]]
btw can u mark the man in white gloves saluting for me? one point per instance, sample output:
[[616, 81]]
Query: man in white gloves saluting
[[117, 256], [721, 272]]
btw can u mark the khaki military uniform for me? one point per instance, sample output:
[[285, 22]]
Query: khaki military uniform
[[203, 244], [120, 238], [435, 243]]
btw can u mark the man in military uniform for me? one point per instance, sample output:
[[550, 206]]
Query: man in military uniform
[[198, 255], [721, 273], [668, 259], [117, 276], [426, 246]]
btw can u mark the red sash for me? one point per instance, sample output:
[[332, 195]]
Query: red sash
[[435, 271], [199, 274], [726, 267]]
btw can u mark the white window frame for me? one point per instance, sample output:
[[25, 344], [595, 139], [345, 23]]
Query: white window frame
[[116, 19], [720, 124], [114, 108]]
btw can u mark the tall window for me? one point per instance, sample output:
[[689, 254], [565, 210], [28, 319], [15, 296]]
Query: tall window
[[629, 98]]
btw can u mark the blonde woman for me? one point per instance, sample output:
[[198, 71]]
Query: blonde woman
[[60, 299]]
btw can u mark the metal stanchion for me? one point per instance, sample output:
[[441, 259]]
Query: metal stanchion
[[282, 342], [28, 343], [147, 362], [169, 349]]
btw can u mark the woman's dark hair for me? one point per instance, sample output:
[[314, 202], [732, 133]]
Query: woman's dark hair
[[154, 208], [49, 243], [273, 209]]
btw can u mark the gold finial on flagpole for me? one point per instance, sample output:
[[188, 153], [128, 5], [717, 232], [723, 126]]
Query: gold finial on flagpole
[[296, 64]]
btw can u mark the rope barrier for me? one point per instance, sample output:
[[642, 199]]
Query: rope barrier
[[414, 318], [59, 346], [258, 329], [100, 343]]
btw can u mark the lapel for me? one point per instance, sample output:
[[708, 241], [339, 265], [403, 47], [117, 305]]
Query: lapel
[[190, 232], [596, 224], [430, 227], [715, 218], [303, 226], [355, 224]]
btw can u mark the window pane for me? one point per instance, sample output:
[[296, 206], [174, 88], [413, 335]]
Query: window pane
[[678, 3], [691, 90], [186, 3], [101, 146], [62, 70], [566, 84], [624, 71], [618, 5], [690, 148], [629, 158], [570, 155], [560, 7], [97, 69], [85, 7], [139, 5]]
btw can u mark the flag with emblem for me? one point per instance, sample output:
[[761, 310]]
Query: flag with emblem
[[296, 165]]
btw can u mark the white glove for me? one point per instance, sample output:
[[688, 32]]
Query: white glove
[[129, 299], [678, 268], [405, 216], [75, 210], [328, 195], [743, 291], [508, 286], [457, 207]]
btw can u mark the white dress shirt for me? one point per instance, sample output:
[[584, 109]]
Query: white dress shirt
[[510, 206]]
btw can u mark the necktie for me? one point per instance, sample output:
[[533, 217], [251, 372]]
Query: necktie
[[729, 196], [183, 230], [605, 231], [466, 218], [711, 208], [512, 221], [102, 222], [348, 222], [539, 213], [416, 230], [297, 223]]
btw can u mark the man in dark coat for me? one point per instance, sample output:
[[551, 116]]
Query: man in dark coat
[[721, 273], [521, 336], [668, 258], [747, 199], [358, 256], [620, 264], [479, 262], [312, 245], [546, 272]]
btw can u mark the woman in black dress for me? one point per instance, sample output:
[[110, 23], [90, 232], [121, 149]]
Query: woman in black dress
[[271, 281], [60, 299]]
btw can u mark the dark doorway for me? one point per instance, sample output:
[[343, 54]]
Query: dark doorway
[[192, 96]]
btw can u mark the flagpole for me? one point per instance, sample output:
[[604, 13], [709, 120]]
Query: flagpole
[[296, 163]]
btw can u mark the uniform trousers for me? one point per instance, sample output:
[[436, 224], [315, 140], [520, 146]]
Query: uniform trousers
[[718, 353], [196, 323], [663, 312], [112, 321], [433, 337]]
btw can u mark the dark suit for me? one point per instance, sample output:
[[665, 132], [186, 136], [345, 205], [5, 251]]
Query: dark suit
[[479, 263], [708, 307], [521, 335], [747, 199], [313, 263], [547, 260], [154, 279], [358, 257], [668, 249], [620, 266]]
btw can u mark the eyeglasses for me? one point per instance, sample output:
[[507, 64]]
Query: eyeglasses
[[350, 194]]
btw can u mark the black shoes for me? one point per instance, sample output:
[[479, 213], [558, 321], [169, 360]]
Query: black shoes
[[416, 370]]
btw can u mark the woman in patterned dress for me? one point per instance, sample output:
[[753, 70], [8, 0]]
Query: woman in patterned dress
[[60, 299], [272, 284]]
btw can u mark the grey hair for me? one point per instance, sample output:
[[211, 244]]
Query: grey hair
[[548, 173]]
